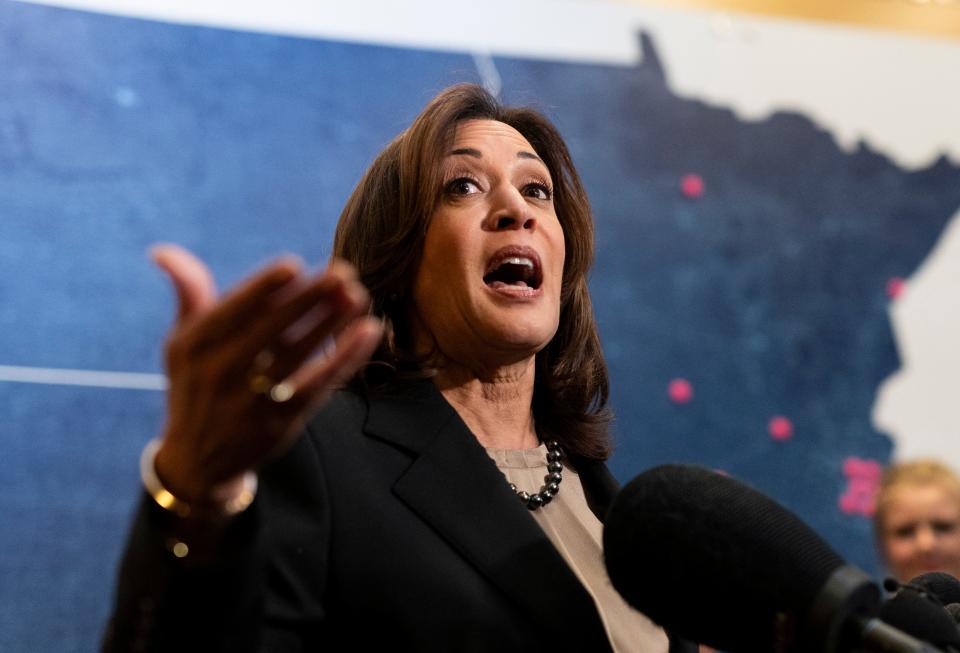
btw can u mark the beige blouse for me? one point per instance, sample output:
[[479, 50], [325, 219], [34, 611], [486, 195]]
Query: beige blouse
[[577, 534]]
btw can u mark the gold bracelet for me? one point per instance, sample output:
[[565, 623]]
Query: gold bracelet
[[168, 501]]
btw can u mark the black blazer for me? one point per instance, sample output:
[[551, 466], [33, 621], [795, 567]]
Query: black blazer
[[386, 525]]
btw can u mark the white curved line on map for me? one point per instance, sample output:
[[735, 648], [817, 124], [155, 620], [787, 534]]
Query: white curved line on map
[[489, 75], [90, 378]]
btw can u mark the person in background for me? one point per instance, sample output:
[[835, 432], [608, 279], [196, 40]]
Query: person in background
[[917, 521]]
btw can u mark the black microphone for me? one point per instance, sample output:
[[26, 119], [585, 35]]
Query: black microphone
[[679, 535], [953, 609], [923, 615], [943, 586], [940, 584]]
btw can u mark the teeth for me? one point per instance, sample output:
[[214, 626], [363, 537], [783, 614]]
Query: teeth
[[518, 260]]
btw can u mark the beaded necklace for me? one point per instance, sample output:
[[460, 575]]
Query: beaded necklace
[[551, 482]]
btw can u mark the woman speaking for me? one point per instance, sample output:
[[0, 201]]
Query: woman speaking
[[404, 452]]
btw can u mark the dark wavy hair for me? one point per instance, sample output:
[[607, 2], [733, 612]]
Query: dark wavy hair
[[382, 230]]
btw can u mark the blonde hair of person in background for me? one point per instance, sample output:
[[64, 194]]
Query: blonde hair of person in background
[[917, 522]]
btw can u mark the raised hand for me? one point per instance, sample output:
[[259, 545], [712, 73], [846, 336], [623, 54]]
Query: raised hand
[[244, 370]]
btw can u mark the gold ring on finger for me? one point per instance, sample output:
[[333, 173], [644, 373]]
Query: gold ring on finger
[[261, 384]]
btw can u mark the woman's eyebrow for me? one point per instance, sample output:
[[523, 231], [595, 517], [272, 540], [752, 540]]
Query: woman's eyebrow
[[469, 151]]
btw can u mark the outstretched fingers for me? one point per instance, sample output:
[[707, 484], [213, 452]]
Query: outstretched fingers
[[292, 334], [318, 378]]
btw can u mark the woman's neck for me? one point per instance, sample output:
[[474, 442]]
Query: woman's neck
[[496, 406]]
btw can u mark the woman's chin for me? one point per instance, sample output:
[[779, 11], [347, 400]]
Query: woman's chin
[[529, 329], [502, 344]]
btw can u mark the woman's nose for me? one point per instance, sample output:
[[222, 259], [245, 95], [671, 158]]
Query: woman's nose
[[511, 212], [509, 222]]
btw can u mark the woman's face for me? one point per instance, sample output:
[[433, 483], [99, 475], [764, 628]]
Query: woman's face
[[487, 290], [921, 531]]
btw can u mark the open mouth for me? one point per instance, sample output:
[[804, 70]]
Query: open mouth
[[514, 267]]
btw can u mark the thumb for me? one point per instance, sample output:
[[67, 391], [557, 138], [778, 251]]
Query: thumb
[[191, 278]]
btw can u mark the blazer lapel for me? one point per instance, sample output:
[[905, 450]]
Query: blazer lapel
[[455, 486]]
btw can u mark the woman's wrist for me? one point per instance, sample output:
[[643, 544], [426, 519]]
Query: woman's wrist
[[212, 509]]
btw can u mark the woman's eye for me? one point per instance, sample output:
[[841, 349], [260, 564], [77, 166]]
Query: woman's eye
[[537, 191], [462, 186]]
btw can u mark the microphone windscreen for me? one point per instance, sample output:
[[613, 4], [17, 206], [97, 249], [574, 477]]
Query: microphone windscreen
[[918, 615], [940, 584], [953, 609], [679, 537]]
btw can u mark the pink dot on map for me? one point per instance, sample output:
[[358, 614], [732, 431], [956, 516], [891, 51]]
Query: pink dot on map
[[851, 466], [863, 469], [692, 186], [895, 287], [848, 504], [680, 391], [780, 428]]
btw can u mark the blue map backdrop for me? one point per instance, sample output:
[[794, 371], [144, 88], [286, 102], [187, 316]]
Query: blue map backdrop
[[741, 281]]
